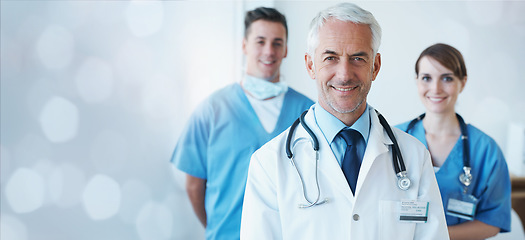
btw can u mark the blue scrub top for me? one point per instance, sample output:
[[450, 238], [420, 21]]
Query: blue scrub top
[[491, 181], [217, 145]]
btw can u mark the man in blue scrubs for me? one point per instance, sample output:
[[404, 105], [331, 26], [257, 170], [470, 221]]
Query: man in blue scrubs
[[223, 132]]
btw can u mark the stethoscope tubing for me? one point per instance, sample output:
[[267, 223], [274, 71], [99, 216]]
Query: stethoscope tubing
[[466, 177], [397, 158], [399, 165], [308, 130], [464, 136]]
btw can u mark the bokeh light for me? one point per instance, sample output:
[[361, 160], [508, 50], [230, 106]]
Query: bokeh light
[[59, 119], [101, 197], [25, 190]]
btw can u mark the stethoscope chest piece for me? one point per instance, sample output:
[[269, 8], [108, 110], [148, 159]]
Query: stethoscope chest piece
[[466, 177], [403, 182]]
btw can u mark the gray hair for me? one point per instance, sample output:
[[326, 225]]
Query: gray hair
[[347, 12]]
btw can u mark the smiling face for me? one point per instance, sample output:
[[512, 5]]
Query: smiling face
[[438, 87], [344, 67], [265, 48]]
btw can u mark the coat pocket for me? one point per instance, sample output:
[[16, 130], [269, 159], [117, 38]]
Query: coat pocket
[[390, 226]]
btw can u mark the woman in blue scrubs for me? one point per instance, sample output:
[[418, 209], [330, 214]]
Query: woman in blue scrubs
[[478, 206]]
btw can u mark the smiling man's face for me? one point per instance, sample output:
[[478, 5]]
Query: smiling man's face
[[344, 67], [265, 48]]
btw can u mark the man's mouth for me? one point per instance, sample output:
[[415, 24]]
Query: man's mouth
[[267, 62], [345, 89]]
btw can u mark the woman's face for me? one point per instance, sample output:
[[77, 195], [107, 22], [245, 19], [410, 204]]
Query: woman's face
[[438, 87]]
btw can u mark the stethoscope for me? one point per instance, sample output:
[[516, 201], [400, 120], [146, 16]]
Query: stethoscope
[[403, 182], [466, 177]]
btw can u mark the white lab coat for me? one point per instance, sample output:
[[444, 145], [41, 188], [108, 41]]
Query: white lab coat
[[273, 191]]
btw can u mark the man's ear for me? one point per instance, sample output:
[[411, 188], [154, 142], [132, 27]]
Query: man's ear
[[244, 46], [309, 63], [377, 65]]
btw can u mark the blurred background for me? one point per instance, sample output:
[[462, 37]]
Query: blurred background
[[94, 95]]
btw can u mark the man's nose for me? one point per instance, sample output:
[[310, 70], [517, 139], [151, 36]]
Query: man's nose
[[344, 70], [269, 49]]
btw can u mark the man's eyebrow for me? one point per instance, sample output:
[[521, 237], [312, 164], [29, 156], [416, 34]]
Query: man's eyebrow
[[264, 38], [329, 52], [360, 54]]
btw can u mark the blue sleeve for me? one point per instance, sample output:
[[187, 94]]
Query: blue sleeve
[[190, 154], [494, 207]]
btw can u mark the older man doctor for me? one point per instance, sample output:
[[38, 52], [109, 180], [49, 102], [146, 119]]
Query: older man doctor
[[350, 191]]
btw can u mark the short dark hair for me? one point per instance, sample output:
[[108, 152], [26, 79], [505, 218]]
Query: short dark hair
[[447, 56], [263, 13]]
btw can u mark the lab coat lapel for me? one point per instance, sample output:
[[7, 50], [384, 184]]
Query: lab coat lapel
[[328, 165], [378, 144]]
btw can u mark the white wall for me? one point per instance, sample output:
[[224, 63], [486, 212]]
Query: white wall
[[94, 95]]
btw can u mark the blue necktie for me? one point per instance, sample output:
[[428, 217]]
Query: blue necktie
[[351, 162]]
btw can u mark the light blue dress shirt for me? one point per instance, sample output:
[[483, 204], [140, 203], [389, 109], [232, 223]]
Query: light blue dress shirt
[[330, 126]]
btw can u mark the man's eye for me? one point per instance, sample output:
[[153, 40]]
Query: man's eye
[[329, 58], [358, 59]]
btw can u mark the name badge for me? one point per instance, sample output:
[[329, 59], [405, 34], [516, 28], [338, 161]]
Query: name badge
[[413, 211], [462, 206]]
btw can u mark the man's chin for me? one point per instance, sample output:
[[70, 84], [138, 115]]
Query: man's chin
[[345, 109]]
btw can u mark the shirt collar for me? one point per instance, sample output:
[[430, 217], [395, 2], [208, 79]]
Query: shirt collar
[[331, 126]]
